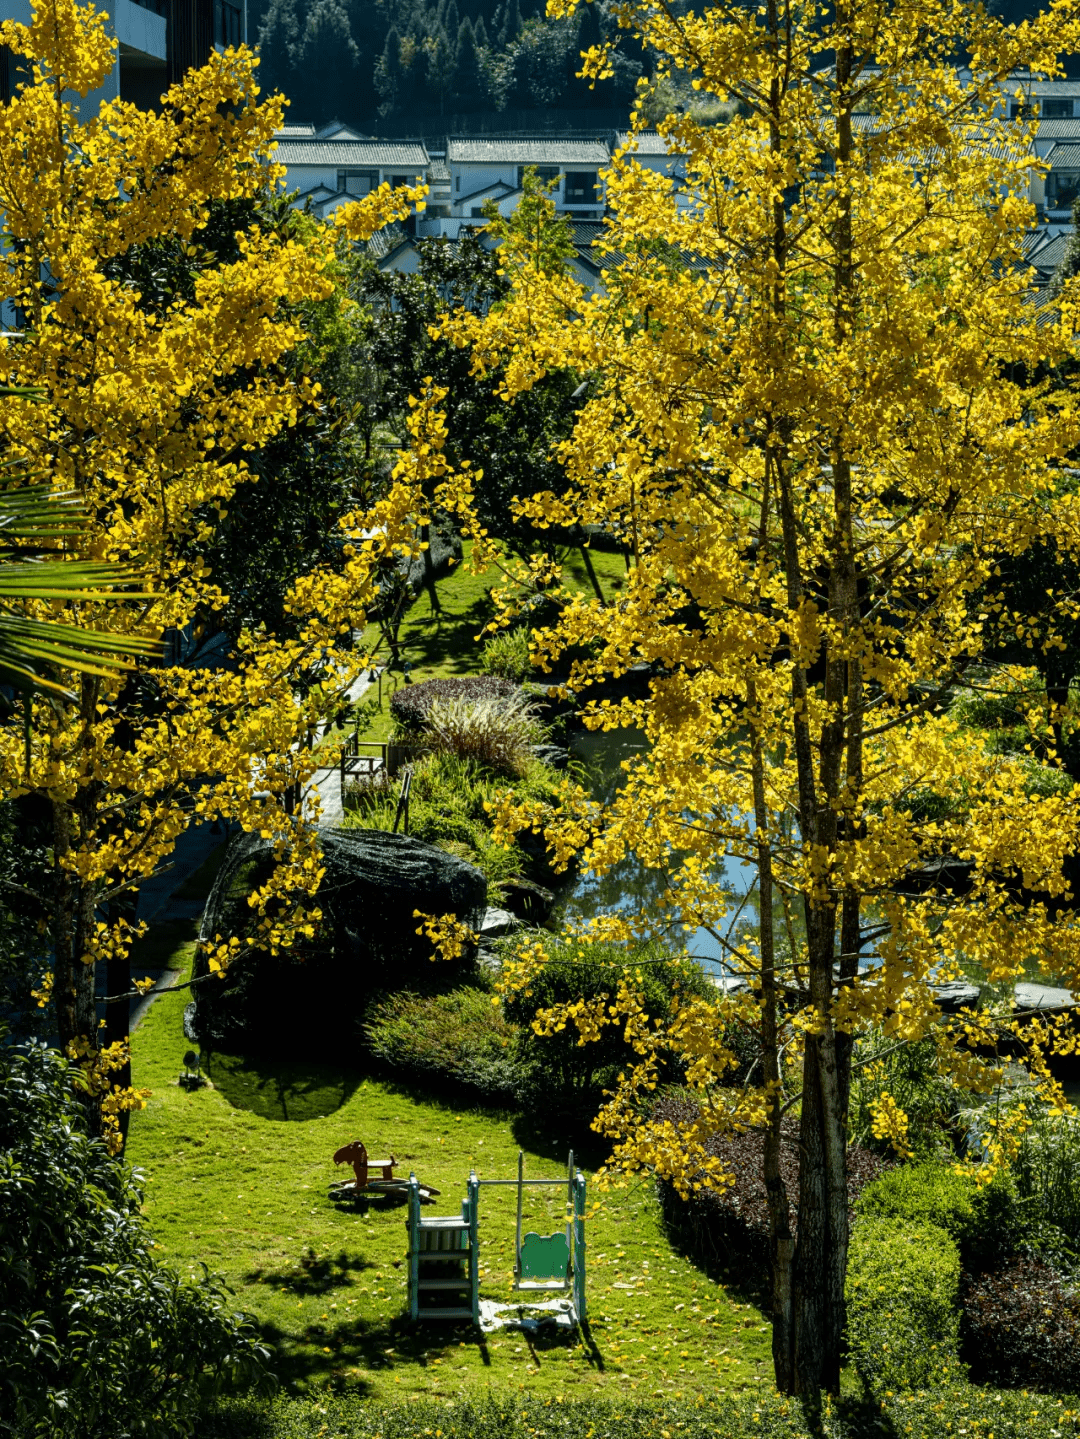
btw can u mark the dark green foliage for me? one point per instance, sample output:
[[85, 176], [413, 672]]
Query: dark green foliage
[[1021, 1326], [25, 879], [1047, 1175], [760, 1415], [98, 1340], [512, 443], [459, 1039], [415, 62], [903, 1279], [557, 1071], [987, 1222]]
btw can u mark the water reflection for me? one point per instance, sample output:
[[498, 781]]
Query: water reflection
[[631, 885]]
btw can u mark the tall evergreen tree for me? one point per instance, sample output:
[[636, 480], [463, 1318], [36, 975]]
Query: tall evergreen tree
[[388, 73], [327, 60], [468, 88]]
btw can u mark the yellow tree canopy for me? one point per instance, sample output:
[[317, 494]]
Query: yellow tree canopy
[[148, 412], [821, 403]]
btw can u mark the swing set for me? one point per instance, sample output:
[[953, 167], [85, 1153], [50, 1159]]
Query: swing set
[[444, 1251]]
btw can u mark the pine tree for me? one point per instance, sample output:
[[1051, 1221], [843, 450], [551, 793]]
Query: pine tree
[[480, 35], [468, 87], [388, 72], [327, 60]]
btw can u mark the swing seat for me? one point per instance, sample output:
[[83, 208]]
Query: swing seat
[[545, 1258]]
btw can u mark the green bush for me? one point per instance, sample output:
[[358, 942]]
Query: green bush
[[902, 1287], [912, 1075], [98, 1340], [986, 1221], [1047, 1174], [761, 1415], [507, 655], [459, 1038], [448, 807], [555, 1069]]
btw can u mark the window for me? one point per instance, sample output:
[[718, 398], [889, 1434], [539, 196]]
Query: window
[[228, 24], [1050, 108], [400, 180], [477, 212], [544, 173], [1062, 188], [580, 187], [357, 182]]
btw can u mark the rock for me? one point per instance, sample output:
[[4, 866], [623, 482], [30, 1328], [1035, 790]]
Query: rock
[[1028, 996], [527, 900], [729, 983], [958, 994], [444, 550], [496, 923], [310, 1000]]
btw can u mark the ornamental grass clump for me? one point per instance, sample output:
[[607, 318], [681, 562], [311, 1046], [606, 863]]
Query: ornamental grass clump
[[411, 705], [500, 732]]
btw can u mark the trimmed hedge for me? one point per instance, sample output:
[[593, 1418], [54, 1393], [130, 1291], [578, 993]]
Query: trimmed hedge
[[985, 1221], [764, 1415], [411, 704], [903, 1281]]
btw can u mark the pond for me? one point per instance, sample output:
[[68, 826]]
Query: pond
[[631, 885]]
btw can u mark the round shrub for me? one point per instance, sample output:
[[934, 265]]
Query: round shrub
[[903, 1280], [986, 1221], [411, 704], [459, 1038], [507, 655]]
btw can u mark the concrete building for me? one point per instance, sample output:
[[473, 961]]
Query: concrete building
[[159, 40]]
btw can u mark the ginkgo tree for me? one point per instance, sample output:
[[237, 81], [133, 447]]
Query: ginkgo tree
[[145, 414], [820, 406]]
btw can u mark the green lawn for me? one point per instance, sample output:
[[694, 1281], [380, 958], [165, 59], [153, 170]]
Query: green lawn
[[447, 641], [237, 1175]]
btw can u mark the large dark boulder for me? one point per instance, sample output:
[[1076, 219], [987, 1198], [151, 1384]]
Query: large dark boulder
[[310, 1000]]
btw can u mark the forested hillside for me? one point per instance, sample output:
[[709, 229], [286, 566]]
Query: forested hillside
[[421, 65]]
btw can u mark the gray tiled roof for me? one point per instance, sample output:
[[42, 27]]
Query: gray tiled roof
[[527, 150], [291, 132], [1051, 255], [1060, 129], [438, 170], [1065, 157], [1057, 89], [409, 154], [648, 142]]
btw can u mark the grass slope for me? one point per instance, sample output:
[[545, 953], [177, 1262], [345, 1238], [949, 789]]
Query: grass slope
[[443, 642], [245, 1190]]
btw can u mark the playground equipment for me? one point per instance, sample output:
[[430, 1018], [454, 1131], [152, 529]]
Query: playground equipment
[[444, 1254], [365, 1181]]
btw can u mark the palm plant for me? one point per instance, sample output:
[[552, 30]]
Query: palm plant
[[31, 517]]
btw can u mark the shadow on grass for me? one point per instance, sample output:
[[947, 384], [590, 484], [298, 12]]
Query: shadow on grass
[[388, 1345], [165, 946], [312, 1275], [281, 1089], [447, 640], [554, 1135]]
